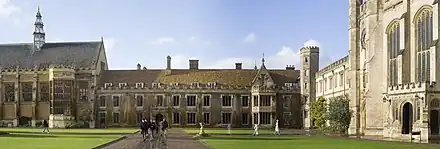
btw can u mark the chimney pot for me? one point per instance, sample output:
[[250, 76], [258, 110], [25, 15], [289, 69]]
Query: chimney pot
[[238, 66], [139, 66], [290, 67]]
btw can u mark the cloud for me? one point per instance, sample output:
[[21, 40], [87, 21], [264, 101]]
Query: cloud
[[250, 38], [7, 8], [193, 39], [164, 40], [198, 40], [312, 42], [285, 56]]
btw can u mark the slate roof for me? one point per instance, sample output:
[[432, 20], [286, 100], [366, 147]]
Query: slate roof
[[232, 77], [80, 54]]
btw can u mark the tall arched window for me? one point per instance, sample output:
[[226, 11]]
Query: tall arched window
[[393, 36], [423, 23]]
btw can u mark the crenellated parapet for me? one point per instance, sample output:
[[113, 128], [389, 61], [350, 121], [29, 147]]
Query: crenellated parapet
[[413, 87], [309, 49], [332, 66]]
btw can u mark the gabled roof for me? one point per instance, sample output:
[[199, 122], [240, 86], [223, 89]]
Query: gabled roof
[[238, 77], [80, 54]]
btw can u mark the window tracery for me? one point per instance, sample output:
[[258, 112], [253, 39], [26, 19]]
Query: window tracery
[[393, 44], [423, 35]]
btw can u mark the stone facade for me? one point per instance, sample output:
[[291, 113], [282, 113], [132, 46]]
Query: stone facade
[[390, 70], [66, 81]]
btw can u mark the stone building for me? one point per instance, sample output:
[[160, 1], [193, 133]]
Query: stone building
[[67, 81], [390, 69]]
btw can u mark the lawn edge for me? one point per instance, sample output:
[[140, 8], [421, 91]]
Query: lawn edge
[[114, 141]]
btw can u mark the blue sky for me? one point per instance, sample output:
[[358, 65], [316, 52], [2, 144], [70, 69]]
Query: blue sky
[[217, 32]]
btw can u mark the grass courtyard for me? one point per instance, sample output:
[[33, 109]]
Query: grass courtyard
[[242, 139], [26, 138]]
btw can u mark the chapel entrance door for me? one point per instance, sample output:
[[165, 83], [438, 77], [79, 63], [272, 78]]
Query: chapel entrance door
[[433, 122], [407, 118]]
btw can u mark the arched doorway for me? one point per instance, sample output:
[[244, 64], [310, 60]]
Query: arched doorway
[[407, 113], [433, 119]]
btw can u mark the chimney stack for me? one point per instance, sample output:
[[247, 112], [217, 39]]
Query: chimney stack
[[139, 66], [290, 67], [194, 64], [238, 66]]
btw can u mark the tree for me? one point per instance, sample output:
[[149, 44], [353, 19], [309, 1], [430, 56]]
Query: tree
[[318, 110], [339, 114]]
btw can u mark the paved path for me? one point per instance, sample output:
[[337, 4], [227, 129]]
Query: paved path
[[177, 139]]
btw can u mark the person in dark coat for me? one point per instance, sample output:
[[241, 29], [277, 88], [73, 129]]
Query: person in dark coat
[[144, 128], [45, 126]]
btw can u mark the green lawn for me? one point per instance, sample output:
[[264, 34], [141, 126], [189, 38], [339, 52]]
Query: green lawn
[[236, 140], [26, 138]]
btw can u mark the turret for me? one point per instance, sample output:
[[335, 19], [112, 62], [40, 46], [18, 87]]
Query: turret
[[39, 35], [309, 61]]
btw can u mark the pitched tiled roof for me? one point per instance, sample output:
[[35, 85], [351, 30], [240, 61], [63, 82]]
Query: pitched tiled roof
[[80, 54], [232, 77]]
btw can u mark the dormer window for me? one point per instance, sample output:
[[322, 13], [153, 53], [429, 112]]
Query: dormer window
[[174, 84], [155, 85], [195, 84], [288, 85], [106, 85], [121, 85], [140, 85], [212, 84]]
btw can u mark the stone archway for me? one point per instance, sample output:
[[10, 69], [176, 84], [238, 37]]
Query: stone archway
[[433, 119], [407, 114]]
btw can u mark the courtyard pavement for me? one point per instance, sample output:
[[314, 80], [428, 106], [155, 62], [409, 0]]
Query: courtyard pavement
[[176, 139]]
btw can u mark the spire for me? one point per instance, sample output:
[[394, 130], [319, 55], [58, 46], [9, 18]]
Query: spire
[[39, 35], [255, 65], [262, 60]]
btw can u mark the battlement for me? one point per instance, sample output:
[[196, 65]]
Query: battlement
[[311, 49], [332, 66], [412, 87]]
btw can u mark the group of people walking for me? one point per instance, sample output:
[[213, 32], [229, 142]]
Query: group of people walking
[[149, 128]]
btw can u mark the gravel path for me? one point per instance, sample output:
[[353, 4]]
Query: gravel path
[[177, 139]]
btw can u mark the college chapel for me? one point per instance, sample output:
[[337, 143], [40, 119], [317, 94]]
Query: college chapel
[[390, 72]]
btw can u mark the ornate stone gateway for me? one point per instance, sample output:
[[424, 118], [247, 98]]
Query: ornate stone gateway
[[407, 118]]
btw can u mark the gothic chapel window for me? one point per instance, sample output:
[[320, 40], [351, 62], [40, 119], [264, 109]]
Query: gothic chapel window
[[393, 36], [423, 23]]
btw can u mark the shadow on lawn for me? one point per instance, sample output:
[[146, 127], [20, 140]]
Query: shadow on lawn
[[16, 135]]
